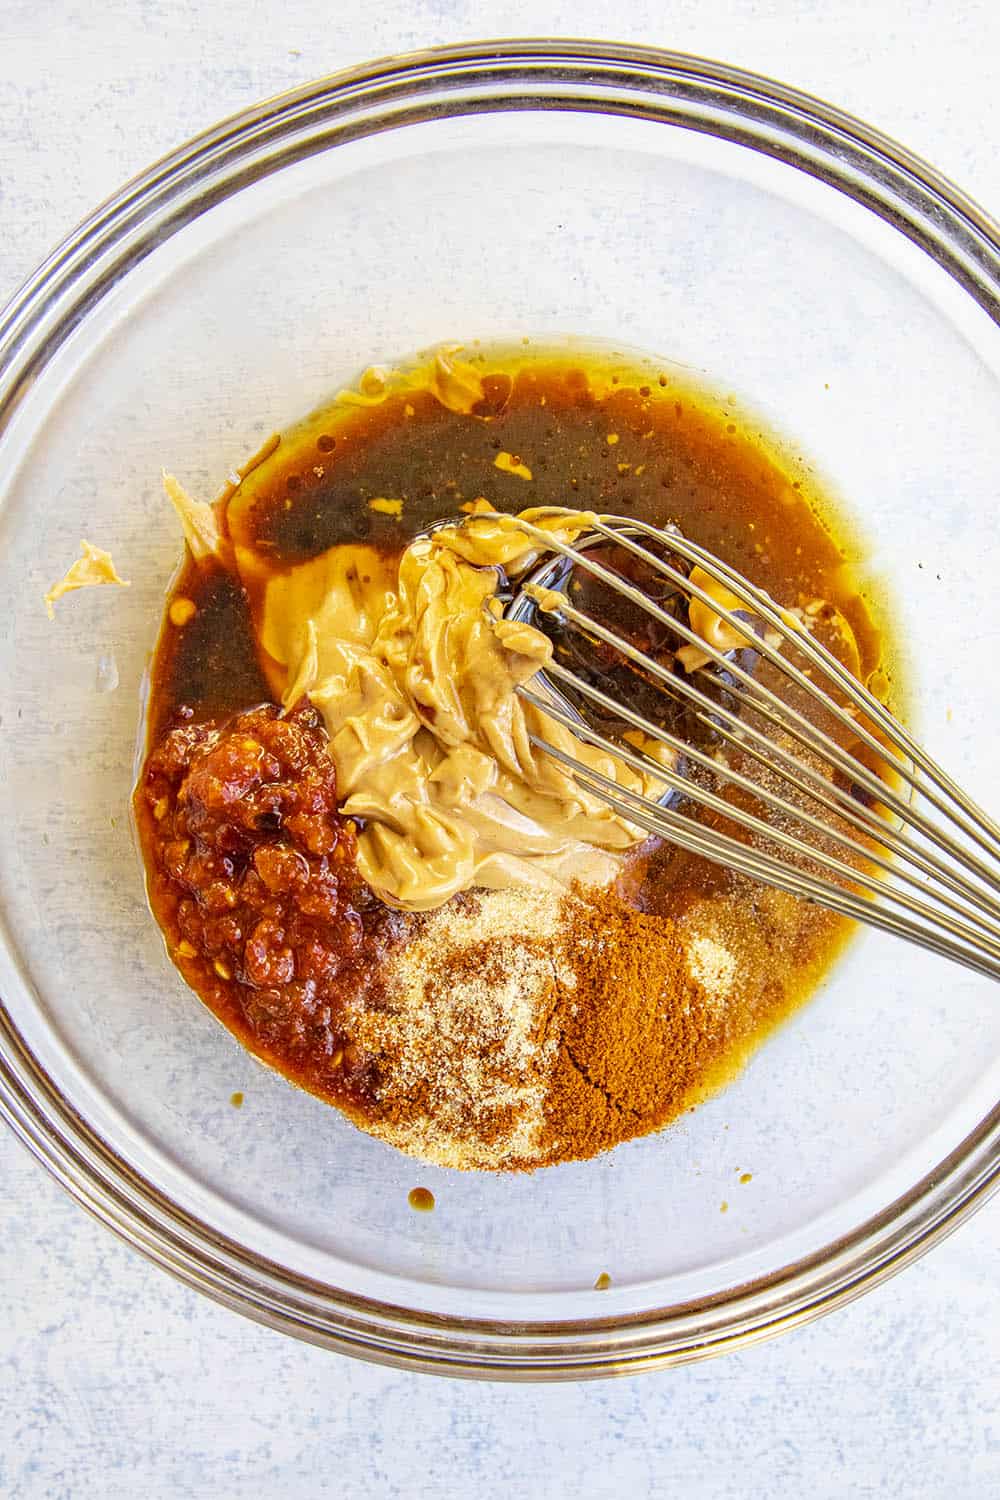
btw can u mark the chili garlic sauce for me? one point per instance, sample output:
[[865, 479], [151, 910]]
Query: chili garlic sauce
[[495, 1031]]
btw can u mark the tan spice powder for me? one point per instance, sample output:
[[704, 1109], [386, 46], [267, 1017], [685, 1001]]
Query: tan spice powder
[[459, 1034]]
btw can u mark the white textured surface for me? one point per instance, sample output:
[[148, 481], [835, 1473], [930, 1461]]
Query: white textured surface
[[116, 1382]]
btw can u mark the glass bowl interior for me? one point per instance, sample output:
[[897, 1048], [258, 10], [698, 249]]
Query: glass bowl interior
[[531, 217]]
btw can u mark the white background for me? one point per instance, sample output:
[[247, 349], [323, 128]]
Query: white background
[[115, 1382]]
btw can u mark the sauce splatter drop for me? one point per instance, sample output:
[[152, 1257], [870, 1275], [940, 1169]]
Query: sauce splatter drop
[[236, 1100], [603, 1282], [421, 1199]]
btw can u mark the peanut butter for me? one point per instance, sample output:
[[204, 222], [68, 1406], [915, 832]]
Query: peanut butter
[[416, 674]]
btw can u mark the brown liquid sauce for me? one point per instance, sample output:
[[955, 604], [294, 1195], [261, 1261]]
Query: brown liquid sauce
[[633, 441]]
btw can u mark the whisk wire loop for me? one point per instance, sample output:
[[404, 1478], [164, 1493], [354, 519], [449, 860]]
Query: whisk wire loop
[[860, 845]]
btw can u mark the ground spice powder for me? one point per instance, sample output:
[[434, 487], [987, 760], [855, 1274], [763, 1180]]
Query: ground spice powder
[[459, 1032], [523, 1030], [634, 1036]]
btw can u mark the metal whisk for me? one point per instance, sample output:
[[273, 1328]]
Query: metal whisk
[[854, 816]]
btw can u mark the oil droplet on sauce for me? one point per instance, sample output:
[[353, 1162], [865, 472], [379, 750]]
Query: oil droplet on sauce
[[421, 1199], [603, 1282], [236, 1100]]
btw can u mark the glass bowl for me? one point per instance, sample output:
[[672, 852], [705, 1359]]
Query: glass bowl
[[797, 260]]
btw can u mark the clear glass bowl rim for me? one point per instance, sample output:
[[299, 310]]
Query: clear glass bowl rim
[[598, 77]]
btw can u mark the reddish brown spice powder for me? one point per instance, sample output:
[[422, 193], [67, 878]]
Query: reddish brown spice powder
[[635, 1035]]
